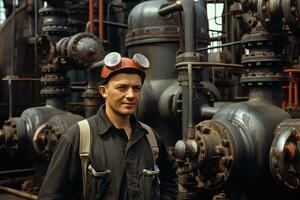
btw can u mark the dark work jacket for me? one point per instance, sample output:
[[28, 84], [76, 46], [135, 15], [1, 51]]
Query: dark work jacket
[[115, 168]]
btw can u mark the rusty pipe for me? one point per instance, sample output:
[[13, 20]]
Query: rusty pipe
[[296, 93], [91, 15], [100, 24], [18, 193]]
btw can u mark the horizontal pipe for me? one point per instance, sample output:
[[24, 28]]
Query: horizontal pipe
[[220, 46], [16, 171], [208, 111], [97, 64], [19, 193]]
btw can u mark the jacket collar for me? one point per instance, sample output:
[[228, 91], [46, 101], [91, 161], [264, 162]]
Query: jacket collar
[[104, 123]]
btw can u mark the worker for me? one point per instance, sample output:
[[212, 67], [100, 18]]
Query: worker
[[122, 163]]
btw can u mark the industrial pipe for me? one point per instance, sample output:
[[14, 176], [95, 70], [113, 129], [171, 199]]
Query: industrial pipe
[[208, 111], [191, 132], [100, 24], [174, 7], [19, 193], [91, 15], [189, 25]]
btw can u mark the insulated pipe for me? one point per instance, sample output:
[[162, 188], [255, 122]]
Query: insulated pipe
[[91, 15], [100, 12]]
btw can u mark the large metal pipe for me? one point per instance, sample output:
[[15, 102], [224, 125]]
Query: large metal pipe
[[100, 13], [191, 132], [189, 25], [91, 15], [91, 95]]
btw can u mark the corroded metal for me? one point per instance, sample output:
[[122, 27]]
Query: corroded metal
[[284, 154]]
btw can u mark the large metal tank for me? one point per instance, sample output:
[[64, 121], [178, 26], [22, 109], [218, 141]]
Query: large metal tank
[[158, 38]]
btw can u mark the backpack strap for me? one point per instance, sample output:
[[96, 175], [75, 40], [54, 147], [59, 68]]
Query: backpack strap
[[84, 150], [152, 140]]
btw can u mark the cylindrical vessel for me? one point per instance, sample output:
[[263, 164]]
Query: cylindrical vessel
[[158, 38]]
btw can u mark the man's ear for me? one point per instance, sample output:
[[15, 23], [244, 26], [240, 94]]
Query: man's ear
[[102, 91]]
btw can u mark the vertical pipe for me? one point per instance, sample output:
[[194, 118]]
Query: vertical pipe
[[189, 25], [290, 91], [91, 15], [91, 95], [100, 12], [296, 93], [10, 97], [191, 132], [35, 35], [14, 37], [189, 47]]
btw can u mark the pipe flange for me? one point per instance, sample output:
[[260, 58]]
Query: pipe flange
[[62, 30], [284, 157], [54, 20], [264, 39], [54, 92], [45, 139], [54, 79], [53, 11], [265, 59], [216, 153], [84, 49], [264, 79]]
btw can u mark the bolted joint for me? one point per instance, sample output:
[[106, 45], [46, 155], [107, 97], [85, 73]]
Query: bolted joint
[[45, 139]]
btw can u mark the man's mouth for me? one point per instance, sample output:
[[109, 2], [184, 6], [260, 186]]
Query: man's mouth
[[129, 104]]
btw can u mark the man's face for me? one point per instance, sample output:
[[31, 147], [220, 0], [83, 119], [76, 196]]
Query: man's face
[[122, 93]]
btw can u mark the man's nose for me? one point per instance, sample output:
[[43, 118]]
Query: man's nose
[[130, 93]]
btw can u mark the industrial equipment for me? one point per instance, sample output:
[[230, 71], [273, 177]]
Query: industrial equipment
[[226, 105]]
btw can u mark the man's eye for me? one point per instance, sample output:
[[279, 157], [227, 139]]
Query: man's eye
[[137, 89], [121, 88]]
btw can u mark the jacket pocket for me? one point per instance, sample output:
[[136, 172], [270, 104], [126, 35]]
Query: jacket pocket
[[149, 185], [98, 184]]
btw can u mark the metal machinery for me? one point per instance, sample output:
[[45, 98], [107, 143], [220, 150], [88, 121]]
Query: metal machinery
[[230, 117]]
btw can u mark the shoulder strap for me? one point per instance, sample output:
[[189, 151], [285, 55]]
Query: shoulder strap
[[152, 140], [84, 150]]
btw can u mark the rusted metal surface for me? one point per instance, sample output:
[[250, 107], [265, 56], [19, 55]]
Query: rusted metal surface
[[284, 154]]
